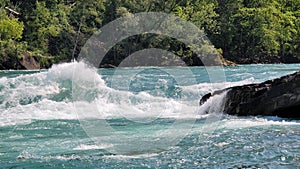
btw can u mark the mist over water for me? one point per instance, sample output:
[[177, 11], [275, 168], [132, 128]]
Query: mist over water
[[42, 117]]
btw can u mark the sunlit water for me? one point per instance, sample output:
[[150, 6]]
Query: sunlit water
[[45, 117]]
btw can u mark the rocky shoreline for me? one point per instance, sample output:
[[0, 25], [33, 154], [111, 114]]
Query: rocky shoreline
[[28, 61], [278, 97]]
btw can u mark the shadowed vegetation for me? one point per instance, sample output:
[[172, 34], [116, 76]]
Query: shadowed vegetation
[[244, 31]]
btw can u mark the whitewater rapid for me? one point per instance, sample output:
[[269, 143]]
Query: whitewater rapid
[[66, 89]]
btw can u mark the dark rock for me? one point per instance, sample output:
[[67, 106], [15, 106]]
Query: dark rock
[[107, 66], [29, 62], [278, 97]]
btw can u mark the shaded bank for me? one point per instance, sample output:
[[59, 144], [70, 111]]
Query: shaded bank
[[244, 32]]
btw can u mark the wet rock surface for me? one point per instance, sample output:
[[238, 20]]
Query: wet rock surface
[[278, 97]]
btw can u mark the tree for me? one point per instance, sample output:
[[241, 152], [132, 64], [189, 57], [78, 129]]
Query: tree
[[10, 28], [201, 12], [224, 37], [256, 31], [40, 27]]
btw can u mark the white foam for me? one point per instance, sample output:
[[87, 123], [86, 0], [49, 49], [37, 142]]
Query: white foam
[[221, 144], [107, 103], [27, 155], [125, 157], [3, 80], [92, 147], [28, 97], [214, 104], [38, 89], [204, 88], [236, 123], [43, 110]]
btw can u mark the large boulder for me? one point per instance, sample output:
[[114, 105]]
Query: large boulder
[[29, 62], [279, 97]]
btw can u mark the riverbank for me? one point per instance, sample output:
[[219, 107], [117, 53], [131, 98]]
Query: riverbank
[[33, 61], [244, 32]]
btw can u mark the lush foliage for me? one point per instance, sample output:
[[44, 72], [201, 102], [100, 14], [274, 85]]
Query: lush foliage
[[245, 31]]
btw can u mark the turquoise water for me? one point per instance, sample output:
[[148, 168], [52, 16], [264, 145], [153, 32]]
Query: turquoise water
[[72, 116]]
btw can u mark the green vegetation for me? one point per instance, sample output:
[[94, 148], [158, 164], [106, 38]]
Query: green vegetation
[[244, 31]]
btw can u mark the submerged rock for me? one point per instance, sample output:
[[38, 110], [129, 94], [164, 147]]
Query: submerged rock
[[279, 97]]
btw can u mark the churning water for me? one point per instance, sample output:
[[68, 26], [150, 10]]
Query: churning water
[[150, 118]]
